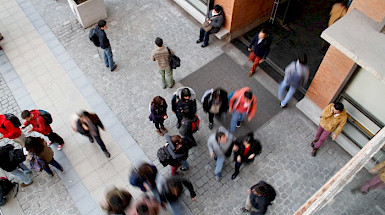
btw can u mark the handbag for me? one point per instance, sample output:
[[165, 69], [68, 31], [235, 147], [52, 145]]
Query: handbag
[[37, 163], [206, 26], [174, 60]]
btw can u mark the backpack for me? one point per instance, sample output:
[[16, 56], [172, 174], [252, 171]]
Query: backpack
[[163, 156], [194, 124], [6, 186], [16, 156], [174, 60], [13, 119], [94, 38], [295, 79], [37, 163], [271, 194], [47, 116]]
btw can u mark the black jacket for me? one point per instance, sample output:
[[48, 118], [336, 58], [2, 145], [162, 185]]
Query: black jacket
[[180, 104], [175, 181], [262, 202], [178, 156], [208, 101], [104, 42], [5, 162], [256, 149], [262, 49]]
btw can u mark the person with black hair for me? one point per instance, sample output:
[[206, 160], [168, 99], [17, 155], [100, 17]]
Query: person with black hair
[[117, 200], [145, 206], [333, 119], [184, 99], [215, 102], [144, 177], [38, 147], [260, 197], [245, 149], [261, 43], [296, 75], [88, 124], [105, 44], [162, 55], [171, 192], [158, 108], [178, 149], [213, 22], [243, 103]]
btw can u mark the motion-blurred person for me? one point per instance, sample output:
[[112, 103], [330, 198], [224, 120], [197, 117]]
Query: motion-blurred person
[[215, 102], [145, 206], [117, 201], [377, 182], [243, 103], [144, 177]]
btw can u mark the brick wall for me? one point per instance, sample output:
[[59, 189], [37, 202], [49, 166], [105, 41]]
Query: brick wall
[[375, 9], [227, 6], [334, 69]]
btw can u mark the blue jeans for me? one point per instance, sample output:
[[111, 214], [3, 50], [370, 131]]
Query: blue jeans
[[22, 174], [107, 55], [54, 163], [205, 35], [155, 192], [289, 95], [185, 164], [235, 118], [176, 208], [219, 165]]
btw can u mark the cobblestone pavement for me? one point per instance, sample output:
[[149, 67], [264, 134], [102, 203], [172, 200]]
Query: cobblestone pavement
[[286, 162], [47, 195]]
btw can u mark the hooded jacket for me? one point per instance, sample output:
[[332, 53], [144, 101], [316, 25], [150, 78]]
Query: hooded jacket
[[207, 100], [7, 129], [236, 99], [38, 123], [331, 123], [178, 103]]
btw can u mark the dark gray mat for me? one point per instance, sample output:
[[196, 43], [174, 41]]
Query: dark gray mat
[[225, 73]]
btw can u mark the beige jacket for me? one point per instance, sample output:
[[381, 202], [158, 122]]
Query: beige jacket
[[381, 170], [337, 12], [331, 123]]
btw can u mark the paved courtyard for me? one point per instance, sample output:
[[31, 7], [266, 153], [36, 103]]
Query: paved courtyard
[[285, 162]]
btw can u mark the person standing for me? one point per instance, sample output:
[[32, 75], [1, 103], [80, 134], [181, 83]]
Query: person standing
[[38, 146], [189, 126], [213, 22], [243, 103], [40, 124], [13, 166], [219, 145], [184, 99], [88, 124], [261, 43], [162, 55], [333, 119], [105, 44], [339, 10], [296, 75], [259, 198], [11, 130], [215, 102], [158, 108], [172, 190], [178, 149], [377, 182], [145, 178], [245, 150]]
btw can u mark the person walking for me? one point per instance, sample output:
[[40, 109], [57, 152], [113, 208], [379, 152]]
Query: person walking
[[162, 55], [105, 44], [88, 124], [144, 177], [377, 182], [296, 75], [10, 128], [333, 119], [243, 103], [178, 149], [219, 145], [215, 102], [184, 99], [158, 108], [245, 150], [259, 198], [213, 23], [38, 147], [190, 125], [39, 121], [145, 206], [117, 201], [172, 190], [338, 11], [261, 43], [13, 166]]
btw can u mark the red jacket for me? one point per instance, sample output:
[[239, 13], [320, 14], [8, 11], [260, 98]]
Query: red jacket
[[7, 129], [235, 100], [38, 123]]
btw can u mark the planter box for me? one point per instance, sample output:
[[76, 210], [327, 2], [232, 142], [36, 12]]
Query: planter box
[[89, 12]]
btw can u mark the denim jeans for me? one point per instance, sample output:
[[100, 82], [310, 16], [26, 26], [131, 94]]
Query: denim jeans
[[155, 192], [235, 118], [219, 165], [22, 174], [203, 35], [168, 72], [54, 163], [289, 95], [185, 164], [176, 208], [107, 55]]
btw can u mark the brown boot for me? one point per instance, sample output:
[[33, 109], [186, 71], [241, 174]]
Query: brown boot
[[314, 153], [159, 132], [25, 185], [251, 73], [164, 129]]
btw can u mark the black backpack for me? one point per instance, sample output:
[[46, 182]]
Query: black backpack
[[16, 156], [6, 186], [47, 116], [13, 119], [271, 194], [94, 38], [174, 60], [163, 156]]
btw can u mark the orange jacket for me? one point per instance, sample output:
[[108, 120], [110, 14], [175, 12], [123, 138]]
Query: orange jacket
[[235, 100]]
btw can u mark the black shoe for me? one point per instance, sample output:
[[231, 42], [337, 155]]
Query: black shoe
[[314, 153], [91, 139], [312, 144], [244, 210], [204, 45], [282, 106], [114, 67], [108, 155], [211, 126], [234, 176], [199, 41], [239, 123]]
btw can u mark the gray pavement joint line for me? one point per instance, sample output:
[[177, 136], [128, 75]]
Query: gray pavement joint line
[[133, 152]]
